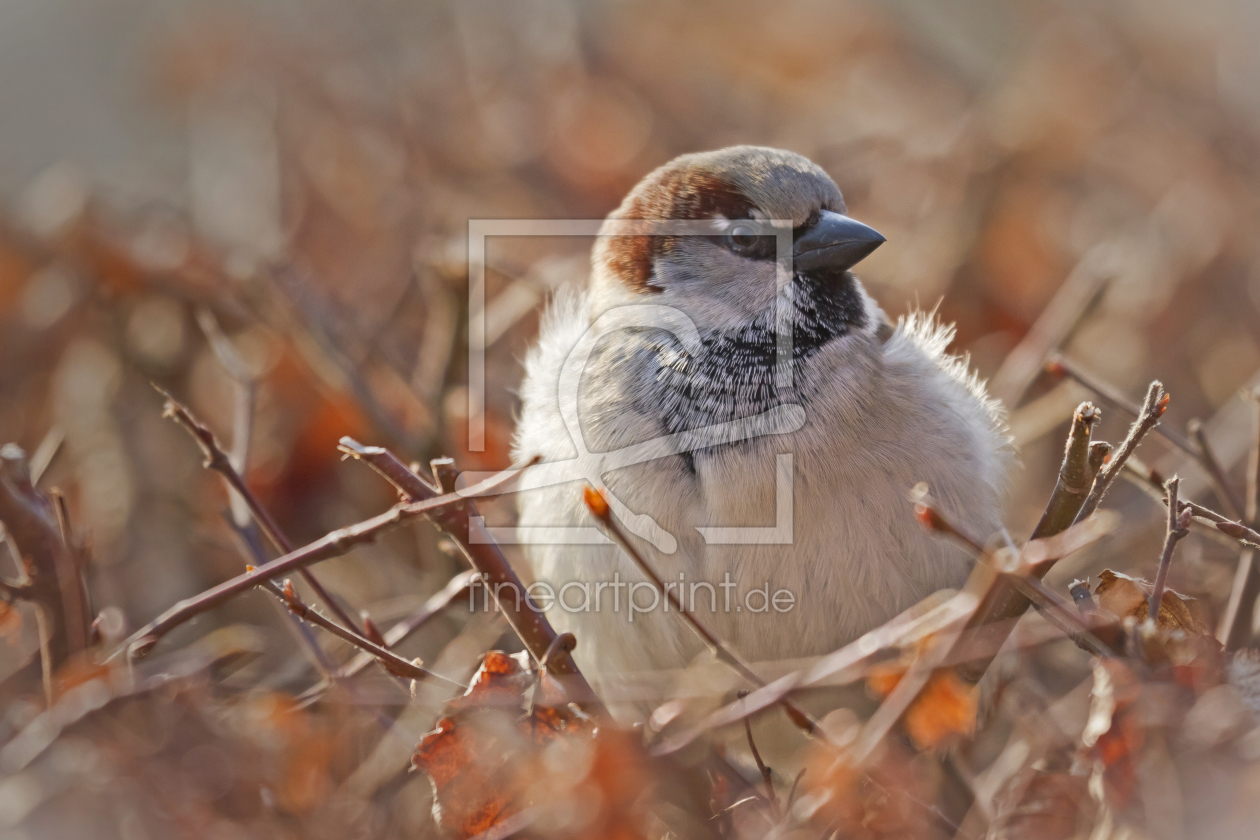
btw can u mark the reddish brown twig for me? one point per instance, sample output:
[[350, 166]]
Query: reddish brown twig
[[439, 601], [767, 778], [457, 519], [927, 515], [1178, 527], [391, 661], [1005, 600], [54, 582], [1153, 408], [331, 545], [1076, 474], [1060, 365], [1058, 612], [216, 459], [599, 508], [1235, 530]]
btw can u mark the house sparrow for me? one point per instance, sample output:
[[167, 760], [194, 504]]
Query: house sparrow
[[757, 429]]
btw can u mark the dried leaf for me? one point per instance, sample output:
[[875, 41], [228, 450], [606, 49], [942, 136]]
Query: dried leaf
[[1127, 597], [945, 709], [493, 759], [1040, 805]]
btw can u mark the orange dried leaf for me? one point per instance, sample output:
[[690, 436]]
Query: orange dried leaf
[[883, 678], [490, 758], [596, 502], [1127, 597], [468, 768], [945, 709]]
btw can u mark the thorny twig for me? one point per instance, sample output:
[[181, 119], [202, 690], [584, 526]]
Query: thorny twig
[[598, 506], [240, 516], [1178, 527], [251, 547], [457, 519]]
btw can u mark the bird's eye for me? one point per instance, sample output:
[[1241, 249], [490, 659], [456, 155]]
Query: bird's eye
[[742, 236]]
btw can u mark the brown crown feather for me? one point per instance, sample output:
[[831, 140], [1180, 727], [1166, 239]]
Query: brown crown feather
[[677, 193]]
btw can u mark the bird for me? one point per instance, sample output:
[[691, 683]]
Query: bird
[[756, 420]]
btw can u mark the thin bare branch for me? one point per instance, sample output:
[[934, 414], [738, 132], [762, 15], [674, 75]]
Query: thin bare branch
[[217, 459], [455, 588], [1235, 530], [458, 519], [599, 508], [55, 583], [1240, 611], [1216, 473], [334, 544], [767, 778], [1081, 461], [1150, 482], [1153, 408], [1178, 527], [391, 661], [1060, 365]]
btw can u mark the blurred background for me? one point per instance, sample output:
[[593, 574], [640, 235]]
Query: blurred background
[[297, 179]]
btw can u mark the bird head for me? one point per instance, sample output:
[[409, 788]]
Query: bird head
[[738, 206]]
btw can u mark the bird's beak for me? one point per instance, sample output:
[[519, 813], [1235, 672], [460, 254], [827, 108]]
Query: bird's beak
[[836, 241]]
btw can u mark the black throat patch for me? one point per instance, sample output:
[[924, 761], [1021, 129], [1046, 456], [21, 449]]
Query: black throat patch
[[732, 374]]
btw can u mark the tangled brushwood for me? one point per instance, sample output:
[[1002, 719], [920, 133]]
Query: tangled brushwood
[[1161, 733], [257, 602]]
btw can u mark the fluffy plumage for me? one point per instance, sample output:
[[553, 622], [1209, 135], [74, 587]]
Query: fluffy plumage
[[877, 408]]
